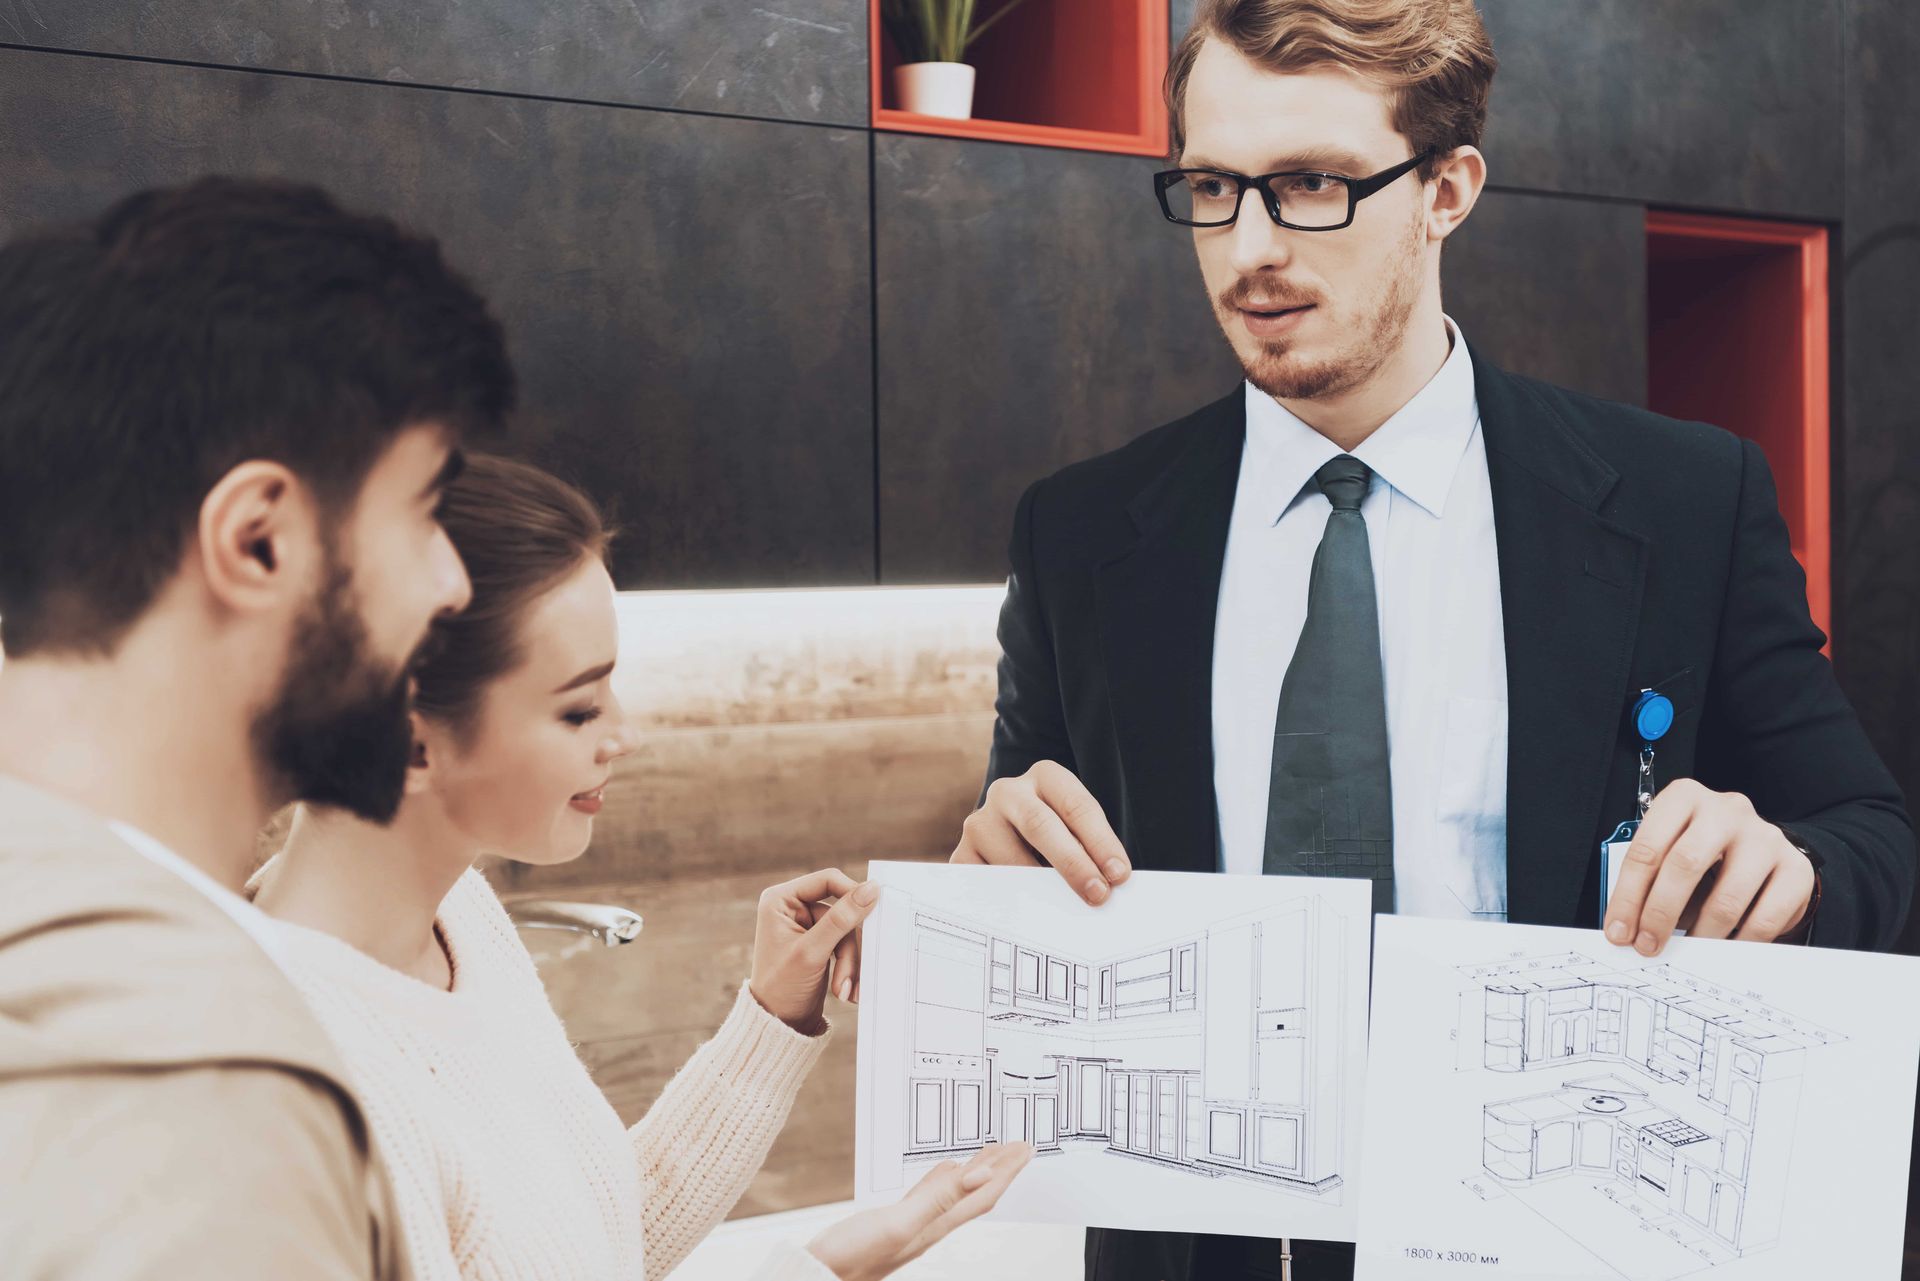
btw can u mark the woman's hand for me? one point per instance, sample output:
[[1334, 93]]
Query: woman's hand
[[807, 927], [871, 1244]]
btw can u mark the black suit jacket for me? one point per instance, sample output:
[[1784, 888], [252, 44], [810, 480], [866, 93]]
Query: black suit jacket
[[1634, 552]]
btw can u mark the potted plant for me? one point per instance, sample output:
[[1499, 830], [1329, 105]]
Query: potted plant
[[933, 36]]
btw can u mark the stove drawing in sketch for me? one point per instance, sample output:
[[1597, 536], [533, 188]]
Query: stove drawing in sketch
[[1212, 1054], [1672, 1098]]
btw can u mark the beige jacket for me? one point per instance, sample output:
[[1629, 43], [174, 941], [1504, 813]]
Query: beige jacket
[[168, 1106]]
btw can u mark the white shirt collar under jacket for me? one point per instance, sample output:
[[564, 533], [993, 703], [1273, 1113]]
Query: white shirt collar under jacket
[[1429, 514], [1417, 451]]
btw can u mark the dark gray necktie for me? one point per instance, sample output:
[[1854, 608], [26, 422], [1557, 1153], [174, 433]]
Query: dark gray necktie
[[1330, 798]]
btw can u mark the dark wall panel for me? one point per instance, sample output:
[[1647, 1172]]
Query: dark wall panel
[[1877, 538], [1554, 288], [1180, 17], [786, 59], [1034, 308], [695, 352], [1730, 104]]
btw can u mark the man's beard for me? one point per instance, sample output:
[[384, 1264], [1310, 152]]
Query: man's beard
[[1275, 371], [338, 731]]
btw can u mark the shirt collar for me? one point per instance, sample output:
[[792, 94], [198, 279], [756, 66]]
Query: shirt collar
[[1417, 451], [257, 924], [180, 867]]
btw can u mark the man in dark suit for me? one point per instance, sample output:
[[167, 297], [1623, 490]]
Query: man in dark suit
[[1386, 610]]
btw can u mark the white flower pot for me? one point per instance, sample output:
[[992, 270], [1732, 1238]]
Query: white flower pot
[[935, 88]]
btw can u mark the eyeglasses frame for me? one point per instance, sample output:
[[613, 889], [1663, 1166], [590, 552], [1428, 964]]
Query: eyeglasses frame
[[1358, 189]]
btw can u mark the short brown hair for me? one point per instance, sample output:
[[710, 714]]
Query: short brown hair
[[520, 532], [1433, 55]]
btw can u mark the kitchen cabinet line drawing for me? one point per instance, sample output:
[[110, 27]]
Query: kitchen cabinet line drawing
[[1215, 1053], [1673, 1099]]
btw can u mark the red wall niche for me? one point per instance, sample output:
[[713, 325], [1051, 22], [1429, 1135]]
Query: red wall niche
[[1737, 337], [1083, 74]]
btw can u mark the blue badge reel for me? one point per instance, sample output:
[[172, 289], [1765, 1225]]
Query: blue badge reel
[[1652, 717]]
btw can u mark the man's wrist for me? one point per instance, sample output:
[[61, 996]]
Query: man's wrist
[[1802, 931]]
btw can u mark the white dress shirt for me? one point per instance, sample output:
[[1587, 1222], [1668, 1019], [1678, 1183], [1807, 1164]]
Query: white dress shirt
[[1429, 514]]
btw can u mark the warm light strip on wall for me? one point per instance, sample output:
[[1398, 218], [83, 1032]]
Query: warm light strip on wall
[[670, 634], [802, 601], [690, 656], [650, 620]]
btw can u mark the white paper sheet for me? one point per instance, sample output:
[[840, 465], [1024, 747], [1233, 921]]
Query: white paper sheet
[[1187, 1056], [1542, 1104]]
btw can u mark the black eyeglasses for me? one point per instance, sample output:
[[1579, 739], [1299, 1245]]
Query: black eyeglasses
[[1302, 199]]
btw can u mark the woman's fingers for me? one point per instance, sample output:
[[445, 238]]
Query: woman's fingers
[[806, 943], [859, 938], [846, 965], [969, 1192], [818, 945], [829, 882]]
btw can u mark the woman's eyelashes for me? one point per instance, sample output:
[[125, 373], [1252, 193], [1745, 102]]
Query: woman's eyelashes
[[582, 716]]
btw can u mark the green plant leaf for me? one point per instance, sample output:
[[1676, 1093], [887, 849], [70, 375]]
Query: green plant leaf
[[1002, 12], [959, 18], [930, 31], [937, 30]]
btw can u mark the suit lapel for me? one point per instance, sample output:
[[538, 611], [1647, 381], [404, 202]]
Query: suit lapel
[[1570, 585], [1156, 604], [1570, 591]]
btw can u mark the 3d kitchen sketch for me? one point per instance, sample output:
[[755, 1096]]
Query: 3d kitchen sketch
[[1213, 1053], [1540, 1103], [1672, 1099]]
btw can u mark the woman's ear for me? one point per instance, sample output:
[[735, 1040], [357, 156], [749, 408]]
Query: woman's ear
[[425, 752]]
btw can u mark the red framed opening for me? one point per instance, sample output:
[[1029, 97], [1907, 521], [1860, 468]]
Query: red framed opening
[[1737, 336], [1083, 74]]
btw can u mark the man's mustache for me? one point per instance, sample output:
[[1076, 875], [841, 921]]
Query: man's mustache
[[1269, 292]]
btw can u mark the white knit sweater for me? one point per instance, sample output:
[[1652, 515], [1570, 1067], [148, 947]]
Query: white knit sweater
[[507, 1162]]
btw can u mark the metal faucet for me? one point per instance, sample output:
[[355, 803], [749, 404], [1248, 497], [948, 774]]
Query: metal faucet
[[611, 925]]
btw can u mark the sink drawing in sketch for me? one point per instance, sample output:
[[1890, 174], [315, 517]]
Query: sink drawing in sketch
[[1216, 1053], [1674, 1100]]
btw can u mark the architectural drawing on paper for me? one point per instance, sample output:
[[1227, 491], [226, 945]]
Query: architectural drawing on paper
[[1215, 1053], [1673, 1099]]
